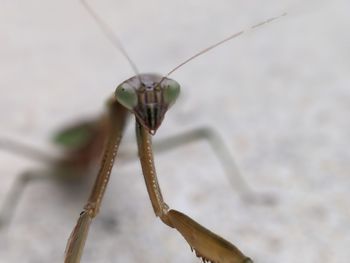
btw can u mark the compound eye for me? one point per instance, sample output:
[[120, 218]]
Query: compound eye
[[126, 96], [171, 91]]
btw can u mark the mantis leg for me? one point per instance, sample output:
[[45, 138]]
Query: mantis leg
[[16, 191], [223, 154], [76, 242], [219, 148], [26, 151], [221, 151], [207, 245]]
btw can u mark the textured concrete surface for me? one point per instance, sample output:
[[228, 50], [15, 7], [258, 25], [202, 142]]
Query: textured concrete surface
[[279, 96]]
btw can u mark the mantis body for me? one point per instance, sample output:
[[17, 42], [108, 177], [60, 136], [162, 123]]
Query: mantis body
[[147, 97]]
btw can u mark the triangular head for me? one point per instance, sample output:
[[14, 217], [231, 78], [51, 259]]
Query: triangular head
[[148, 96]]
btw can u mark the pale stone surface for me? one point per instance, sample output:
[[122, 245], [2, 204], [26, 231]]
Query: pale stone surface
[[280, 97]]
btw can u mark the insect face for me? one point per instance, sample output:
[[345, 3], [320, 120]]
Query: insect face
[[149, 96]]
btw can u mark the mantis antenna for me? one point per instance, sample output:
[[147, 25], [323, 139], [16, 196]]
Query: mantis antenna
[[110, 35], [237, 34]]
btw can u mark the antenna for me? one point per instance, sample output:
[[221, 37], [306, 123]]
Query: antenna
[[222, 42], [110, 35]]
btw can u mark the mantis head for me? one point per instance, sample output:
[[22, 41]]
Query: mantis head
[[148, 96]]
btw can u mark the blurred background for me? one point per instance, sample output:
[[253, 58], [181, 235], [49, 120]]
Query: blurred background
[[279, 96]]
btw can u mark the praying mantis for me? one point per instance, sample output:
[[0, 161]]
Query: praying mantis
[[148, 97]]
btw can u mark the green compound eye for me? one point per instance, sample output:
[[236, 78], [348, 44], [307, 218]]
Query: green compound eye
[[171, 91], [126, 96]]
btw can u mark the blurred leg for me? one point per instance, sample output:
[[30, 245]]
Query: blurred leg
[[16, 191], [24, 150], [221, 151]]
